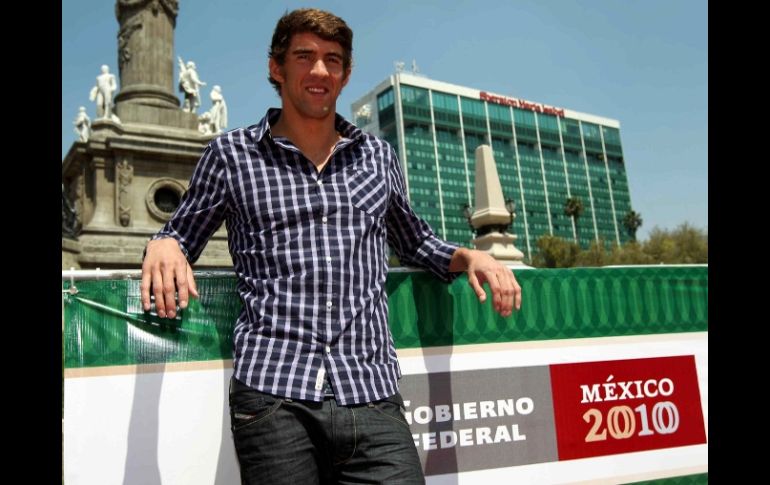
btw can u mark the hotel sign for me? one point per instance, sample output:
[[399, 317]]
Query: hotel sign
[[520, 103]]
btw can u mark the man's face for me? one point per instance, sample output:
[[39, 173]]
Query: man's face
[[312, 76]]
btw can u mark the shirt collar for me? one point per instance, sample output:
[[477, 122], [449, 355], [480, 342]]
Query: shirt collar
[[344, 127]]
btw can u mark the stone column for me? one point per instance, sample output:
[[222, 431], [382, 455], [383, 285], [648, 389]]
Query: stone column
[[146, 52]]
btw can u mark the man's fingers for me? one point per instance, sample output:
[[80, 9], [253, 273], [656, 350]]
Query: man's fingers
[[474, 282], [181, 275], [482, 268], [504, 290], [506, 282], [157, 290], [166, 272], [517, 293], [144, 288], [494, 285], [169, 292], [193, 288], [193, 284]]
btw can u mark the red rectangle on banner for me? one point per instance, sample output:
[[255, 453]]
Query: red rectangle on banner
[[621, 406]]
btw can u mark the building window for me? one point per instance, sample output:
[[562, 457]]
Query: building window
[[163, 197]]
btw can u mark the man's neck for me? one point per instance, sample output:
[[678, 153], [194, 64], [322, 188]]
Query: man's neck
[[316, 138]]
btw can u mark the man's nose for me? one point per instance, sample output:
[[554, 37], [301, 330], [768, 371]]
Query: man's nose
[[319, 68]]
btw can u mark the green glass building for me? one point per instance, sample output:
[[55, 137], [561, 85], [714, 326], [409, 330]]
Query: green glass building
[[544, 155]]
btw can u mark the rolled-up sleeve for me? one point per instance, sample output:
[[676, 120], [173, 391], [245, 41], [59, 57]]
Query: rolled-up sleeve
[[411, 237]]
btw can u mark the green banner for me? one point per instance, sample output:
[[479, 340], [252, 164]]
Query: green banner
[[700, 479], [104, 323]]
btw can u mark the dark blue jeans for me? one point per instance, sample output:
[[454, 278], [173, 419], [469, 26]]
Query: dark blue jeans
[[285, 441]]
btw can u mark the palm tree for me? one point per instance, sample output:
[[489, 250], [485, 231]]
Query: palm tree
[[632, 221], [573, 207]]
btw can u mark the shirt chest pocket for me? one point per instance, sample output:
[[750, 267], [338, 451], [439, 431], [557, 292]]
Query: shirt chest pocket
[[368, 191]]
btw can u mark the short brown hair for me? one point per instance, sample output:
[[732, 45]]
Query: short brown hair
[[325, 25]]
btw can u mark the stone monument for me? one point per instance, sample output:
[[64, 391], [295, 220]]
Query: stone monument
[[127, 178], [491, 219]]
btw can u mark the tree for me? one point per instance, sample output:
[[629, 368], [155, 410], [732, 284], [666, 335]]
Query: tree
[[573, 207], [684, 245], [555, 252], [628, 254], [632, 221], [595, 255]]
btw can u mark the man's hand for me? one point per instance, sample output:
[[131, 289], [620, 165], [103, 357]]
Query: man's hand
[[166, 271], [483, 268]]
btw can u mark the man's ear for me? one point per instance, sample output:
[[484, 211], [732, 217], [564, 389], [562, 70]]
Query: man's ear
[[276, 70], [347, 76]]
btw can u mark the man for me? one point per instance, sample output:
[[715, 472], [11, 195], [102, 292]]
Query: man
[[102, 93], [309, 201]]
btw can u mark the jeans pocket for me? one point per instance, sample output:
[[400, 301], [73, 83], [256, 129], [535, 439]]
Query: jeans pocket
[[248, 406], [392, 407]]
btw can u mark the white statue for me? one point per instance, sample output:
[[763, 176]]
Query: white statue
[[189, 84], [218, 111], [204, 124], [82, 125], [102, 93]]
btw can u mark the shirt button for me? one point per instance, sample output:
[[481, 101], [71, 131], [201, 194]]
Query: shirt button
[[328, 350], [328, 259], [328, 304], [320, 183], [324, 219]]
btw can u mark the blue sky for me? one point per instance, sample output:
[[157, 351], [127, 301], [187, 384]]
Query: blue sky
[[644, 63]]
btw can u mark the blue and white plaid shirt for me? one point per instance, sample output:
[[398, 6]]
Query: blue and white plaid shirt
[[309, 251]]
